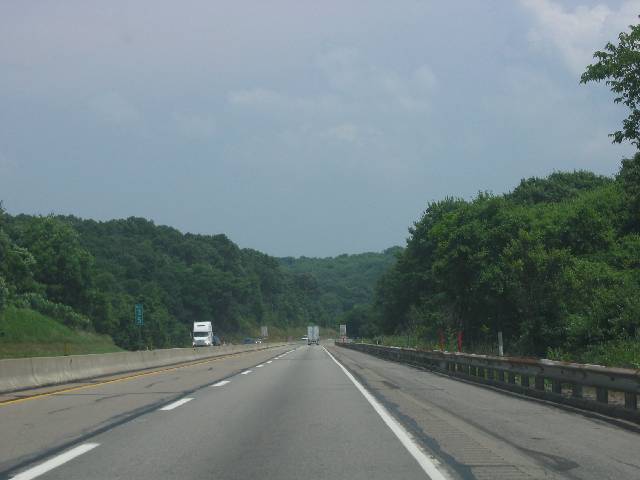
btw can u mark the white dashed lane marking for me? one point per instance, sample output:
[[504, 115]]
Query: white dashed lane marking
[[55, 462], [173, 405]]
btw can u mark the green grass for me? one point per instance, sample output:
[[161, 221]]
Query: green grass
[[27, 333], [620, 353]]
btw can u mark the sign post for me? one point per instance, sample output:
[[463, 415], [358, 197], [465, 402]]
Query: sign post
[[343, 333], [264, 331], [139, 314]]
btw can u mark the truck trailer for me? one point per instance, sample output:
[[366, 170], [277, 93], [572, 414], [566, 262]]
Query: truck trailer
[[313, 335]]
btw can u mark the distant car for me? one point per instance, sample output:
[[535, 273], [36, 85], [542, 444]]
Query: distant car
[[305, 338], [258, 340], [248, 341]]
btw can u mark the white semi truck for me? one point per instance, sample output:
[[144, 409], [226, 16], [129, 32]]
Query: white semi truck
[[313, 335], [203, 334]]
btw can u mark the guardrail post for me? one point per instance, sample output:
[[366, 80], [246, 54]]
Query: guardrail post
[[512, 378], [481, 372], [602, 395], [556, 386], [501, 376], [540, 382], [524, 381], [631, 400], [576, 390]]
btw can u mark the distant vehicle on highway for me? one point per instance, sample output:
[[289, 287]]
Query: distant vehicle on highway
[[203, 335], [313, 335], [248, 341], [305, 338]]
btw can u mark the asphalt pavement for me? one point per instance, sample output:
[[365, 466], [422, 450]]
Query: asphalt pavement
[[304, 412]]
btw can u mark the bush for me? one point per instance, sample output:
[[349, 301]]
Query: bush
[[616, 353], [60, 312]]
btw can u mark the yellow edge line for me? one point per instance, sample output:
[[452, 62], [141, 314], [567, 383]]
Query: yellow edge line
[[115, 380]]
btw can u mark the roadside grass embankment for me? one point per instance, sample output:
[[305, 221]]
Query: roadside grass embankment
[[27, 333]]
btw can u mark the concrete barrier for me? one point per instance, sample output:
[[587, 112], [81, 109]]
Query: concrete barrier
[[23, 373]]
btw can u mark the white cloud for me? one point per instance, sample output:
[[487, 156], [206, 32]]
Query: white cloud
[[576, 34], [345, 132], [350, 84], [114, 108], [195, 126], [341, 67], [255, 97]]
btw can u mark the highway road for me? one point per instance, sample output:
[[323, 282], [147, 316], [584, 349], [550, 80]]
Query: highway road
[[304, 412]]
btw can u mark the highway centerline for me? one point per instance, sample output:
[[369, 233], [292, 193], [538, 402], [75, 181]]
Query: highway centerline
[[260, 366], [176, 404], [426, 462], [55, 462]]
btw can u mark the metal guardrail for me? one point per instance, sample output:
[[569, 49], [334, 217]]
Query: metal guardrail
[[609, 391]]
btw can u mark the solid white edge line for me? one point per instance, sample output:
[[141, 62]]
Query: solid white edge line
[[246, 372], [176, 404], [221, 383], [55, 462], [426, 462]]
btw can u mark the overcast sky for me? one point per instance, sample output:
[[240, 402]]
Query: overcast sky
[[296, 127]]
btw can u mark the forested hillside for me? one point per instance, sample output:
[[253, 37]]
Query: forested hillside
[[89, 275], [338, 284], [554, 265]]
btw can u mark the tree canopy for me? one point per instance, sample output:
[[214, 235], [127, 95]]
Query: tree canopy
[[619, 66]]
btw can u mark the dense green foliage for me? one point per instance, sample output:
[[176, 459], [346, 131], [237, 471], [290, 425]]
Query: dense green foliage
[[553, 264], [89, 275], [338, 284]]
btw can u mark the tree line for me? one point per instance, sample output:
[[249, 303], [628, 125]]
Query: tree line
[[90, 274], [555, 264]]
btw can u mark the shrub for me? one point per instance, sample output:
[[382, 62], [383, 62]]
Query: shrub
[[58, 311]]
